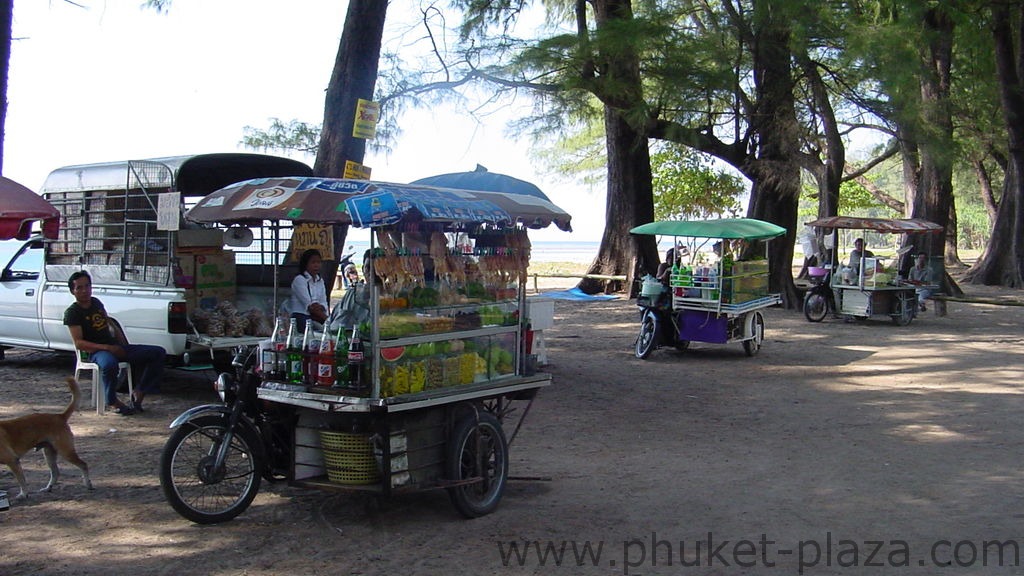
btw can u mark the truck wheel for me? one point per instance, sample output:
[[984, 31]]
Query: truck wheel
[[477, 458]]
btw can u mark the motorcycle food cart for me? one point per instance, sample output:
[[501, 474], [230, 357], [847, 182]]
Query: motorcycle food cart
[[871, 288], [446, 341], [718, 302]]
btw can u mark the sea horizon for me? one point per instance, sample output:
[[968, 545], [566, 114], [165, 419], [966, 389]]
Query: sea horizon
[[577, 251]]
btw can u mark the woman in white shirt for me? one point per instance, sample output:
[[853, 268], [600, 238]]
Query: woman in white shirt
[[309, 293]]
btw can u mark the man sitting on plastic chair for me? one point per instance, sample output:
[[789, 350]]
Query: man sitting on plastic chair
[[87, 321]]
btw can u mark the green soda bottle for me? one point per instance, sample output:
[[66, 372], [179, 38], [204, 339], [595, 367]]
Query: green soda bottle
[[340, 359], [294, 352]]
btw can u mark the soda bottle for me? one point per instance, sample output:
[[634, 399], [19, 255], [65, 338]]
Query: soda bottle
[[325, 361], [268, 356], [294, 352], [278, 345], [355, 361], [310, 353], [341, 359]]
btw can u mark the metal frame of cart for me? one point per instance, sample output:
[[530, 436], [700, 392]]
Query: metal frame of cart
[[716, 306], [450, 437], [873, 293]]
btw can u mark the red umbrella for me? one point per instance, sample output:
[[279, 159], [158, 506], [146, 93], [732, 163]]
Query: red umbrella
[[19, 207]]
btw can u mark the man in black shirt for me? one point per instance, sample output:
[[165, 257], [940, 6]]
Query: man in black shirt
[[86, 319]]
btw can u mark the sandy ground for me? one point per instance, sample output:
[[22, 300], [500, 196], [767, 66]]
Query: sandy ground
[[861, 448]]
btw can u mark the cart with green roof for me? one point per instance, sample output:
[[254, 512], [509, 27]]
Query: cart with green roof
[[712, 297]]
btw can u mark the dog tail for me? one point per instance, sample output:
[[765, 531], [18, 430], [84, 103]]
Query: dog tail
[[76, 396]]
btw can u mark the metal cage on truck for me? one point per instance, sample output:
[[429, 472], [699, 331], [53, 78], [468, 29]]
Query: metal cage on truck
[[109, 210]]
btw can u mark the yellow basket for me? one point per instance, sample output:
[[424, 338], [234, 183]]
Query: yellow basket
[[348, 458], [349, 461], [344, 441]]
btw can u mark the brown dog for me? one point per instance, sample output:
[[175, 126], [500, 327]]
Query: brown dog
[[47, 431]]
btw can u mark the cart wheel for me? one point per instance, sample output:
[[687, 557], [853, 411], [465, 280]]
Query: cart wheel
[[648, 337], [815, 307], [903, 309], [753, 345], [477, 450]]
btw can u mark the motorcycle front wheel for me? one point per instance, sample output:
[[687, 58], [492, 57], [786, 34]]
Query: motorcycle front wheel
[[647, 340], [192, 484], [815, 307]]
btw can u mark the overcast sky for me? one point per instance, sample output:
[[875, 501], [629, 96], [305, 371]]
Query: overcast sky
[[114, 82]]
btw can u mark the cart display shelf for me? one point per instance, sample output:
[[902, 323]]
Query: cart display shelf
[[329, 401]]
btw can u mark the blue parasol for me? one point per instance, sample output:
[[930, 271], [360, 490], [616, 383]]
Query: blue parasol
[[483, 181]]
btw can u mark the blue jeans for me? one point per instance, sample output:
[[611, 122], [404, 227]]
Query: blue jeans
[[149, 358]]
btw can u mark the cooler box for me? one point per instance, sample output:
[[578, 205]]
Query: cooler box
[[701, 326]]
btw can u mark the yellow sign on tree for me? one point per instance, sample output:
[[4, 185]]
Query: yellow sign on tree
[[367, 115], [317, 236], [356, 170]]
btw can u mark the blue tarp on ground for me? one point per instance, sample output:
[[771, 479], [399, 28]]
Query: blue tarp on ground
[[577, 295]]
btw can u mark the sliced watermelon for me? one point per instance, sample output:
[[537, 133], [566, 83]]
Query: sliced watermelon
[[392, 354]]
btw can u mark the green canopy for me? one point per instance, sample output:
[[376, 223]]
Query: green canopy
[[730, 228]]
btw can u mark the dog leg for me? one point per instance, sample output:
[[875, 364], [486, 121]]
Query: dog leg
[[65, 446], [20, 475], [51, 461]]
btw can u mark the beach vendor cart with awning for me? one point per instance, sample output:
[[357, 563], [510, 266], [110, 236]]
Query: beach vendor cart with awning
[[868, 285], [444, 374], [708, 296]]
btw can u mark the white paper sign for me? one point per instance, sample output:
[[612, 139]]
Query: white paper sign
[[168, 211]]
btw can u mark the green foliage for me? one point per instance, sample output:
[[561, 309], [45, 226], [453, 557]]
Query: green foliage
[[855, 200], [686, 185], [283, 136]]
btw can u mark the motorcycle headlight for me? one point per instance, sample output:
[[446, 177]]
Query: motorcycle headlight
[[223, 385]]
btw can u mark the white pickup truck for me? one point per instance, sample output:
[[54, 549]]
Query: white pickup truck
[[140, 269]]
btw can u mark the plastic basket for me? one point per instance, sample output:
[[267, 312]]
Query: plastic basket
[[348, 458]]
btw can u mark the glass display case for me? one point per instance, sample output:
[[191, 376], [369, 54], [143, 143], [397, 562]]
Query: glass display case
[[446, 307]]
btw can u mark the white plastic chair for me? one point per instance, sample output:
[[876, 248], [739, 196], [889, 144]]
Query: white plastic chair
[[82, 363]]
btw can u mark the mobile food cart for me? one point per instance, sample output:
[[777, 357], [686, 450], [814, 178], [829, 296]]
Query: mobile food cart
[[445, 341], [718, 302], [872, 286]]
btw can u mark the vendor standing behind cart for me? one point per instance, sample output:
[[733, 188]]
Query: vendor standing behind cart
[[855, 258], [309, 293]]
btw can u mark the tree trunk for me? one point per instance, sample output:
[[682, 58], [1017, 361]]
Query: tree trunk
[[1002, 262], [935, 193], [952, 255], [630, 200], [910, 161], [987, 197], [6, 21], [630, 203], [354, 77], [829, 174], [776, 171]]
